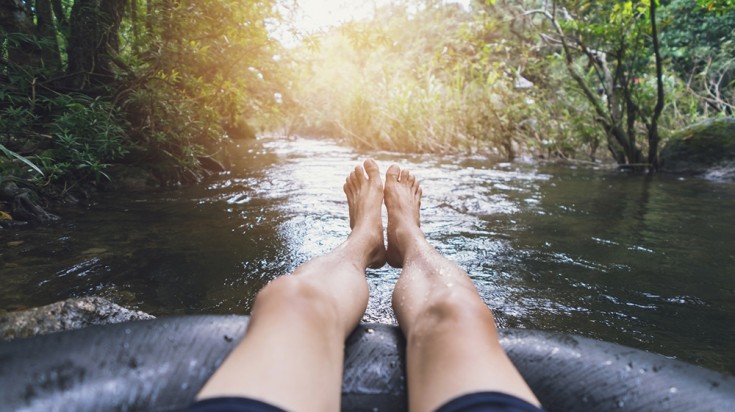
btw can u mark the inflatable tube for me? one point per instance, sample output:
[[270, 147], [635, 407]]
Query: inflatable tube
[[161, 364]]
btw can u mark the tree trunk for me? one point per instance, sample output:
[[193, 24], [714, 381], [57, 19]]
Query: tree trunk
[[61, 19], [111, 14], [134, 23], [47, 31], [653, 137], [617, 153], [83, 37], [16, 18], [94, 35], [617, 144]]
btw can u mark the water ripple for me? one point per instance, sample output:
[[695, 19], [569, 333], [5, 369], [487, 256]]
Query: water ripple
[[647, 263]]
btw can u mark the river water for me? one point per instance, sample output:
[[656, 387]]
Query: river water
[[645, 262]]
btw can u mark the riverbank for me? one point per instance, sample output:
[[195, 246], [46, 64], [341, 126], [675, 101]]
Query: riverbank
[[705, 149], [27, 199]]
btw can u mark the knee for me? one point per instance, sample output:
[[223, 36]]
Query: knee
[[298, 298], [453, 311]]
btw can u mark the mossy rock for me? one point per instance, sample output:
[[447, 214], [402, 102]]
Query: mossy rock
[[700, 148]]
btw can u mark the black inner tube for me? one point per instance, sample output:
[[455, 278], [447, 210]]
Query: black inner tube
[[161, 364]]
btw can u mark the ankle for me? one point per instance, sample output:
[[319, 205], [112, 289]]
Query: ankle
[[409, 235], [367, 247]]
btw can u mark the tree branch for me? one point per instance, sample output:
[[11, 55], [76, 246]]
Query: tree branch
[[586, 90]]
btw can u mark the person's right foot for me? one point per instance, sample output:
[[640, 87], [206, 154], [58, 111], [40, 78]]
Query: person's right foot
[[403, 201]]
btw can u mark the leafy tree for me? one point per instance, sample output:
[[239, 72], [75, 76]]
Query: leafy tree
[[698, 42], [610, 50], [163, 81], [208, 63]]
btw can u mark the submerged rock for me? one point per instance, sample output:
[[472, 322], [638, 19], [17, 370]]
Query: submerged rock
[[706, 148], [69, 314]]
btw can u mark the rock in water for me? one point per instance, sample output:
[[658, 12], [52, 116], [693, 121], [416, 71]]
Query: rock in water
[[703, 148], [69, 314]]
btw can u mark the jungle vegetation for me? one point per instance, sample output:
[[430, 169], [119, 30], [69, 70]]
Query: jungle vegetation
[[164, 84], [88, 83], [559, 79]]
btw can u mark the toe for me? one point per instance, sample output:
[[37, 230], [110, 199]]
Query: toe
[[346, 188], [391, 175], [372, 170], [359, 172], [405, 176]]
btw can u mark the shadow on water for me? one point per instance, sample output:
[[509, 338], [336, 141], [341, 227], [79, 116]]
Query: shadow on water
[[646, 262]]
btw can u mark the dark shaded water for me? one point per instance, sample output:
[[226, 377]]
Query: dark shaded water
[[648, 263]]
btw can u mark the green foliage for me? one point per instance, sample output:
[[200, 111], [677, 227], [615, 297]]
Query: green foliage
[[161, 138], [218, 51], [204, 70], [717, 5], [162, 89], [421, 75], [389, 84], [87, 135], [476, 61], [699, 44], [65, 138], [437, 78], [16, 118]]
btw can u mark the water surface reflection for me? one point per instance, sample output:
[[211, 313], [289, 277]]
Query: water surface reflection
[[644, 262]]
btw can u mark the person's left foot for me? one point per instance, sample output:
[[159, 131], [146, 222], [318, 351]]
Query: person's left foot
[[365, 201]]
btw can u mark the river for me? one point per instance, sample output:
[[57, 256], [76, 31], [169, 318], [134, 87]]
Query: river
[[644, 262]]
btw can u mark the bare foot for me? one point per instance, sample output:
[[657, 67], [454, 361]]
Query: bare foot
[[403, 201], [365, 201]]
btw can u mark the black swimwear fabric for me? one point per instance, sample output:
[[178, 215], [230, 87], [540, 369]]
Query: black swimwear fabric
[[232, 404], [473, 402], [488, 402]]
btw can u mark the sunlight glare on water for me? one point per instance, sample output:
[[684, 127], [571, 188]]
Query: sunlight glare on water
[[643, 262]]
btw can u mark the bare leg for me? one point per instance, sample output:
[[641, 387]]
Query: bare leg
[[292, 354], [453, 346]]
